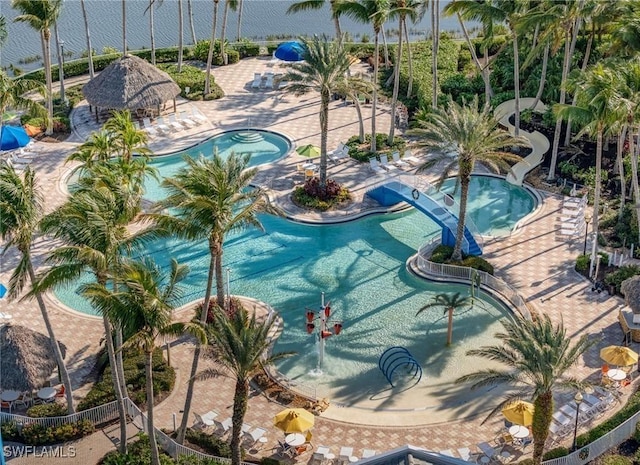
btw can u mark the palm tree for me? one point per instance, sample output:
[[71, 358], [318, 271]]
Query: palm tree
[[94, 235], [21, 208], [323, 69], [124, 27], [239, 25], [3, 30], [487, 15], [210, 198], [180, 35], [536, 355], [307, 5], [451, 303], [374, 12], [212, 43], [355, 88], [127, 138], [12, 95], [194, 39], [598, 108], [41, 16], [435, 45], [152, 29], [240, 344], [88, 36], [144, 308], [476, 137]]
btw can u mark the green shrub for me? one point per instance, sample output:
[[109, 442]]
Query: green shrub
[[47, 410], [133, 367], [555, 453], [306, 195], [615, 459], [36, 435], [441, 253], [212, 444], [139, 453], [478, 263], [194, 78], [623, 273], [247, 48], [582, 263], [362, 153], [9, 431], [270, 461], [525, 462]]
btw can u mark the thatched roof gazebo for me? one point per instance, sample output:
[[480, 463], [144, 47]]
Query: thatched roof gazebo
[[630, 288], [130, 83], [26, 360]]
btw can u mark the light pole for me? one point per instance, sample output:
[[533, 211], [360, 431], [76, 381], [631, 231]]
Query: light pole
[[587, 220], [578, 399]]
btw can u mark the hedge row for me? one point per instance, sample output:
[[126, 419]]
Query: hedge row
[[35, 434]]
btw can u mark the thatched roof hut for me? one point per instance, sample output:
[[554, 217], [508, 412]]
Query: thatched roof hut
[[630, 288], [130, 83], [26, 360]]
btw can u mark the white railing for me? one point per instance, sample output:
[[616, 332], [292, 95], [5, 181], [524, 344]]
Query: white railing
[[97, 415], [430, 268]]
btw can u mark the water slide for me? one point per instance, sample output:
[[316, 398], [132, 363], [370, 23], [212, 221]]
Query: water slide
[[392, 192], [538, 141]]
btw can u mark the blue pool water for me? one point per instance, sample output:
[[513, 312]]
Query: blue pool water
[[361, 268]]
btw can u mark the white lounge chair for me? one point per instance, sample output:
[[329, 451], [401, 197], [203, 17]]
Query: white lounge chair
[[384, 162], [173, 122], [268, 83], [257, 435], [148, 127], [375, 166], [197, 116], [366, 453], [345, 455], [465, 454], [398, 161], [223, 426], [257, 80], [447, 453], [184, 119], [409, 158], [162, 126], [206, 420], [15, 158], [16, 166], [282, 84]]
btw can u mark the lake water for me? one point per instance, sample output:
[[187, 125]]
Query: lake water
[[260, 18]]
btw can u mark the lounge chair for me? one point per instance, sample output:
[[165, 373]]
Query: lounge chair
[[173, 122], [409, 158], [14, 165], [255, 436], [282, 84], [322, 454], [398, 161], [465, 454], [447, 453], [384, 162], [257, 80], [224, 426], [162, 126], [15, 158], [197, 116], [268, 83], [148, 127], [366, 453], [184, 119], [375, 167], [488, 450], [345, 455]]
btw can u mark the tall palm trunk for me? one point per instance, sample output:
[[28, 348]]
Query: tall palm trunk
[[46, 57], [124, 27], [374, 109], [585, 62], [484, 70], [409, 60], [563, 95], [88, 35], [153, 34], [336, 20], [153, 443], [540, 429], [596, 196], [239, 410], [634, 179], [516, 84], [55, 346], [207, 77], [325, 98], [60, 62], [239, 27], [620, 162], [194, 39], [356, 102], [465, 179], [396, 82], [435, 35], [120, 361], [224, 31], [186, 411], [220, 294], [108, 331], [180, 35], [543, 77]]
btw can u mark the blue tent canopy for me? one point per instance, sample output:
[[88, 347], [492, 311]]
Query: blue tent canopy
[[13, 137], [290, 51]]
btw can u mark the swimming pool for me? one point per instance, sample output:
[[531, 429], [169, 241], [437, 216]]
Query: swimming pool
[[360, 266]]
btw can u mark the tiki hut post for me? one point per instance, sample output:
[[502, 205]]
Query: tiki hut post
[[130, 83]]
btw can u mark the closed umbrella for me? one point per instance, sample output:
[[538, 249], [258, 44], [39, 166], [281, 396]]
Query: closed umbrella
[[290, 51], [519, 413], [294, 420], [309, 151], [618, 355], [13, 137]]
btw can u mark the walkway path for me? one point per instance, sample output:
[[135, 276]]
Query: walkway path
[[536, 261], [538, 141]]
